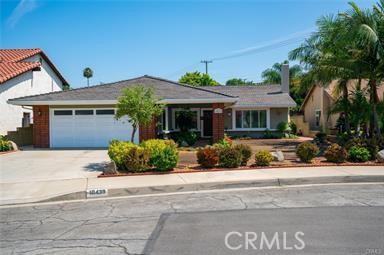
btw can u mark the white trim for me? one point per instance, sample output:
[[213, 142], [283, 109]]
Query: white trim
[[202, 121], [106, 102], [268, 119], [65, 102], [180, 109], [166, 120]]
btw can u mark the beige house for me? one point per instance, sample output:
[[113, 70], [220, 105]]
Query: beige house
[[317, 104]]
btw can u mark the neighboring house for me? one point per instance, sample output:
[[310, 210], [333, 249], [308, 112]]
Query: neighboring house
[[319, 101], [24, 72], [84, 117]]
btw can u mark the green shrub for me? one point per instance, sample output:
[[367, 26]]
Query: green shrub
[[320, 137], [263, 158], [137, 159], [335, 153], [229, 157], [117, 152], [223, 143], [355, 141], [268, 134], [293, 127], [188, 137], [207, 157], [358, 154], [283, 127], [246, 153], [163, 153], [307, 151], [5, 145], [372, 145]]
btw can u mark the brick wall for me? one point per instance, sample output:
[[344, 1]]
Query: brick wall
[[41, 126], [148, 131], [218, 123]]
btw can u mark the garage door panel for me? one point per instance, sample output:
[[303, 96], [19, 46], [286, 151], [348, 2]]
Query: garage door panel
[[95, 130]]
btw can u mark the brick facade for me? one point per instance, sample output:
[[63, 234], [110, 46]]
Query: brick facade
[[148, 131], [41, 126], [217, 122]]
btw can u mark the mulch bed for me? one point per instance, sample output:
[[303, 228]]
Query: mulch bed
[[317, 162]]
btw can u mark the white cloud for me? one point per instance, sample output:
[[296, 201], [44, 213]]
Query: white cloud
[[24, 7]]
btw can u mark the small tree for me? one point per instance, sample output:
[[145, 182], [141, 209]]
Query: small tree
[[139, 104], [87, 73]]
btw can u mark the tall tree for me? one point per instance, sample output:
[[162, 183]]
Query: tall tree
[[197, 79], [139, 104], [87, 73], [239, 82], [273, 76], [347, 46]]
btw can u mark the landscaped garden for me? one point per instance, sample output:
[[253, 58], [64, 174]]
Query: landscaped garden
[[164, 156]]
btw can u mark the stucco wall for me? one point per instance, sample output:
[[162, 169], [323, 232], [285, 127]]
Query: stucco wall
[[278, 115], [29, 83], [313, 103]]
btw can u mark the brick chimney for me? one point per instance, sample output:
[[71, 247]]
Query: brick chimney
[[285, 78]]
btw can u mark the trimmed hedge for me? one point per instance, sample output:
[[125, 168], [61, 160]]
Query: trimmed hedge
[[335, 153], [163, 153], [117, 152], [208, 156], [307, 151], [358, 154], [246, 153], [230, 157], [263, 158], [137, 159]]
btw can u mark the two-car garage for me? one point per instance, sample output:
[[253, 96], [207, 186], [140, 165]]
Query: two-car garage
[[84, 127]]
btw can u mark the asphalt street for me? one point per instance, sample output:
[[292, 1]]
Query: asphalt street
[[330, 216]]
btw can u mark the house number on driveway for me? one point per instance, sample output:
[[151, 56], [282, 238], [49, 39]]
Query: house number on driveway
[[92, 193]]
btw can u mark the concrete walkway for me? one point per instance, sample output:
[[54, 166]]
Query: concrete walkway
[[75, 188]]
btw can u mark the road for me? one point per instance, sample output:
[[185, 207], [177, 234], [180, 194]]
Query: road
[[330, 216]]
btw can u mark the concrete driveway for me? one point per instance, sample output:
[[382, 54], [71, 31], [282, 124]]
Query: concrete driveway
[[27, 175]]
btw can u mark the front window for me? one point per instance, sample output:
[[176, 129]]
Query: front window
[[193, 125], [317, 117], [251, 119]]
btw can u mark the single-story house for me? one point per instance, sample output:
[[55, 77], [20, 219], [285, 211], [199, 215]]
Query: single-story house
[[84, 117], [320, 100], [24, 72]]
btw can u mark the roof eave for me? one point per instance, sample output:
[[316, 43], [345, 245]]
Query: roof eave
[[112, 102]]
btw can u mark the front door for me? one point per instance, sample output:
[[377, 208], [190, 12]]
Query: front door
[[207, 123]]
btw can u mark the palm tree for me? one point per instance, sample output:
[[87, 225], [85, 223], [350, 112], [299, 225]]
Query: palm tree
[[367, 27], [87, 73]]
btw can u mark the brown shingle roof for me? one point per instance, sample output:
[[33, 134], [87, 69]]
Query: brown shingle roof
[[257, 95], [163, 89]]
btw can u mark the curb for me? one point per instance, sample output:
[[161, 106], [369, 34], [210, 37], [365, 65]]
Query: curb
[[278, 182]]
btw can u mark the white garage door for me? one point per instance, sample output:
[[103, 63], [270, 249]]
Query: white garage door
[[87, 128]]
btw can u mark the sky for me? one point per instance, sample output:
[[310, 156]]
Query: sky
[[121, 39]]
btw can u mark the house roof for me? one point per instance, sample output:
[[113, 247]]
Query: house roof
[[9, 70], [12, 64], [330, 90], [165, 90], [257, 95]]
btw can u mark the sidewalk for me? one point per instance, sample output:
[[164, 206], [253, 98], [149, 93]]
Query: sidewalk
[[33, 191]]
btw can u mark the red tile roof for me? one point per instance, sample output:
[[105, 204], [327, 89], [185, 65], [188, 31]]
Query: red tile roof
[[8, 70], [16, 55], [12, 64]]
